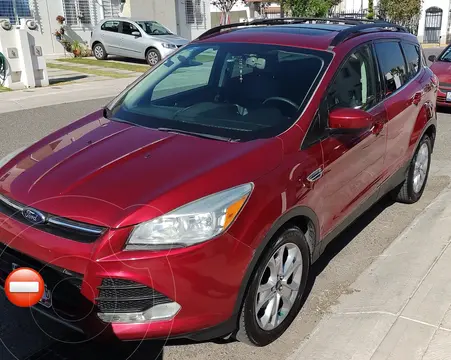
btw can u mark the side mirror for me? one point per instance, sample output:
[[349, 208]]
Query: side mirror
[[136, 34], [432, 58], [349, 121]]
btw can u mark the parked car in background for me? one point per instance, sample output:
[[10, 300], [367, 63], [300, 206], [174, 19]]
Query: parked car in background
[[441, 66], [194, 204], [134, 38]]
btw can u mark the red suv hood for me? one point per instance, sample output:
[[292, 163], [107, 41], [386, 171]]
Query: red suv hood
[[113, 174], [443, 71]]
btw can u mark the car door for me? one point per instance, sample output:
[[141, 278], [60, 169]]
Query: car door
[[110, 37], [353, 163], [402, 98], [131, 45]]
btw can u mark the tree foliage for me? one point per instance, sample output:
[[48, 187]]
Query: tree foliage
[[224, 5], [401, 12], [314, 8]]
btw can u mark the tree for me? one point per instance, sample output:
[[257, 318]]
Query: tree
[[314, 8], [370, 15], [224, 6], [401, 12]]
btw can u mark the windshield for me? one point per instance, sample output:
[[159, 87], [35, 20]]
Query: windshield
[[232, 90], [446, 55], [153, 28]]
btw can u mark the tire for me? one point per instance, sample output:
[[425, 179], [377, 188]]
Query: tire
[[153, 57], [251, 328], [99, 52], [411, 190]]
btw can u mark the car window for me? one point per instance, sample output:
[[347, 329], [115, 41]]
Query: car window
[[242, 91], [355, 84], [412, 53], [154, 28], [181, 79], [112, 26], [392, 64], [128, 28]]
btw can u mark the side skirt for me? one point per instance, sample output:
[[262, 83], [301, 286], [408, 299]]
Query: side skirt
[[390, 184]]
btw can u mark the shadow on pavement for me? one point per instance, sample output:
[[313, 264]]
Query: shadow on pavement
[[342, 240], [66, 79]]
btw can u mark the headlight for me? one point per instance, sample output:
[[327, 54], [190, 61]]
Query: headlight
[[8, 157], [196, 222], [169, 46]]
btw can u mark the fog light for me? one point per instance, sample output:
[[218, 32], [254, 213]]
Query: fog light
[[155, 313]]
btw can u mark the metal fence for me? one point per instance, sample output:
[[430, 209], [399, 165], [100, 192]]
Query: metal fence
[[14, 10]]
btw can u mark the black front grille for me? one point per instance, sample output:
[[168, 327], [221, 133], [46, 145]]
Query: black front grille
[[123, 296], [54, 225]]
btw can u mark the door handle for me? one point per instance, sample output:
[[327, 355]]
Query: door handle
[[416, 99]]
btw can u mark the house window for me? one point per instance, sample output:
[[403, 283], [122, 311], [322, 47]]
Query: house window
[[112, 8], [195, 12], [14, 10], [79, 12]]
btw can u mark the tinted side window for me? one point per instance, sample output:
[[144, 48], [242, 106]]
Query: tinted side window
[[392, 65], [412, 53], [355, 84], [112, 26], [128, 28]]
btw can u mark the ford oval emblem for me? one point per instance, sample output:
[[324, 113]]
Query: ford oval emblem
[[33, 216]]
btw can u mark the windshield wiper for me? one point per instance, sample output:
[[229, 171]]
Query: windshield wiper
[[202, 135]]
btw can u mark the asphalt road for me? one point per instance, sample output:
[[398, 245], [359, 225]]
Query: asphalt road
[[26, 337]]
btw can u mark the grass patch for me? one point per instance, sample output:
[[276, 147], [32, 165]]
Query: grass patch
[[4, 89], [87, 71], [107, 64]]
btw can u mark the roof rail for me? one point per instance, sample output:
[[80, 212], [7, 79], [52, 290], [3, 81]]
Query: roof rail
[[358, 29], [359, 26]]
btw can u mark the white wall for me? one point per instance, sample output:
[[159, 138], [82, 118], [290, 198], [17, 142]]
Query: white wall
[[444, 5], [45, 13]]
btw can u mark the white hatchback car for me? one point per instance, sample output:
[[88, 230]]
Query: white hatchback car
[[134, 38]]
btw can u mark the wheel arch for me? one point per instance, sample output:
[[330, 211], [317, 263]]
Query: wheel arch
[[150, 48], [300, 216], [426, 123]]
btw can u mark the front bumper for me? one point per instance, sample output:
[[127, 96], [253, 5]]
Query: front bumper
[[204, 280]]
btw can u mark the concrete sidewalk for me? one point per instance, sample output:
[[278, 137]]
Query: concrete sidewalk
[[52, 95], [399, 308]]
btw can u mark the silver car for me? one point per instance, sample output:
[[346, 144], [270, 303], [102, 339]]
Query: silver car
[[134, 38]]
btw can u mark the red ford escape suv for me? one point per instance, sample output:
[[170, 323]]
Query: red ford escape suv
[[442, 69], [194, 204]]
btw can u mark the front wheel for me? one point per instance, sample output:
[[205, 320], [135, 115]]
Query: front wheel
[[275, 293], [413, 187], [153, 57]]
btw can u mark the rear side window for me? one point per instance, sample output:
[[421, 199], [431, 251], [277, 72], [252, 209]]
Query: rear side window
[[412, 53], [393, 67], [112, 26]]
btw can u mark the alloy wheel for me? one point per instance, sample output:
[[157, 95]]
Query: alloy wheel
[[420, 168], [98, 52], [278, 286], [152, 58]]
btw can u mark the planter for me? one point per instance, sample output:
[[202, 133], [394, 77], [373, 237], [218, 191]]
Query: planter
[[76, 52]]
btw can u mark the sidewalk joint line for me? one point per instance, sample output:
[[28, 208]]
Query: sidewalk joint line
[[436, 260]]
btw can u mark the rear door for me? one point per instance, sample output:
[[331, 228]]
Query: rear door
[[110, 37], [403, 98]]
